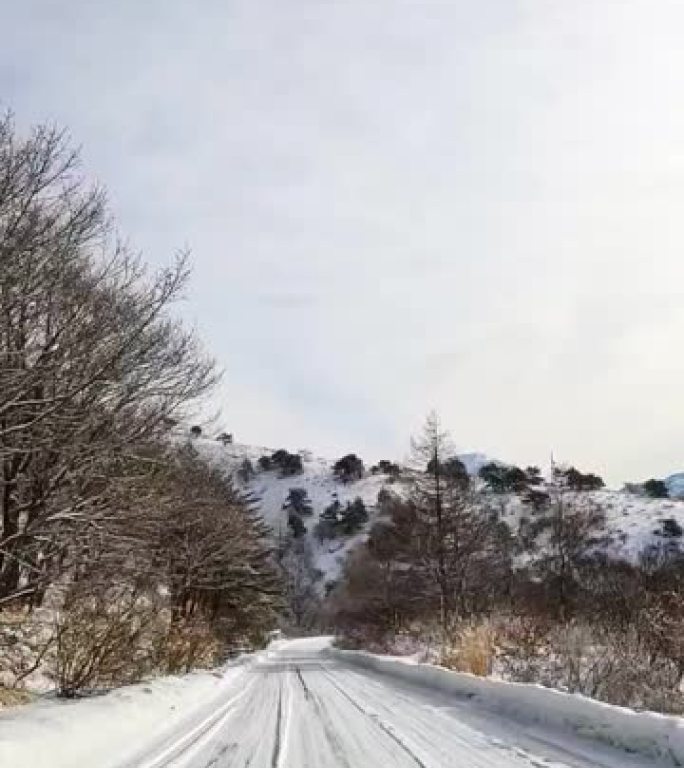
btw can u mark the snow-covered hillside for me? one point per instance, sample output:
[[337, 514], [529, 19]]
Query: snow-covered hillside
[[633, 521], [323, 488]]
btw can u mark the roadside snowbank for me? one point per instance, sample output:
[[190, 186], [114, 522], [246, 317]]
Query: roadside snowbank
[[652, 735], [106, 730]]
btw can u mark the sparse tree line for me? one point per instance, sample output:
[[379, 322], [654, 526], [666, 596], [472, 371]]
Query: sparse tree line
[[532, 594], [121, 553]]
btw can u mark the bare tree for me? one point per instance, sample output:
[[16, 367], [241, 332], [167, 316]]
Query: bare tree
[[451, 527], [97, 508], [90, 362], [301, 581], [571, 529]]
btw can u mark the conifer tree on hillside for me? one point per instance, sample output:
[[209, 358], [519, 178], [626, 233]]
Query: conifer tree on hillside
[[297, 505], [300, 580], [328, 521], [452, 469], [501, 478], [656, 489], [348, 468], [296, 524], [298, 501], [288, 463], [337, 520], [386, 467], [574, 480], [353, 517]]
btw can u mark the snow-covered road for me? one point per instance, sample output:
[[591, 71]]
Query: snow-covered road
[[297, 707]]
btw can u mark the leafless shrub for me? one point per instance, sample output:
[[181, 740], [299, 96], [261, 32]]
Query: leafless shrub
[[27, 644], [104, 639], [612, 666], [188, 645]]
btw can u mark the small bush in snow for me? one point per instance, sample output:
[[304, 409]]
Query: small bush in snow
[[655, 489], [670, 529], [287, 463], [348, 468], [189, 645], [298, 501], [536, 499], [385, 467]]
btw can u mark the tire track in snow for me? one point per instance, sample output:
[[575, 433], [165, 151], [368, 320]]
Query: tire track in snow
[[195, 736], [275, 757], [283, 721], [324, 718], [374, 719], [307, 693]]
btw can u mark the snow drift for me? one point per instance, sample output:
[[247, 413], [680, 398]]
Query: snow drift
[[115, 729]]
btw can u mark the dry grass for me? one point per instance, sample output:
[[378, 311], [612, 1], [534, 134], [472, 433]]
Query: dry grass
[[471, 648], [13, 697]]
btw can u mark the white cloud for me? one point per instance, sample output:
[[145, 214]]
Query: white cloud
[[400, 205]]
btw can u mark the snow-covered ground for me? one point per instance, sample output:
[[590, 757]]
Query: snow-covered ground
[[304, 704], [104, 731], [632, 520]]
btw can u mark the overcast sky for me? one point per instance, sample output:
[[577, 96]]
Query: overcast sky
[[399, 205]]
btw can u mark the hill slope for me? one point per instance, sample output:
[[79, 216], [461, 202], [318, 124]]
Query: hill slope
[[322, 487], [633, 522]]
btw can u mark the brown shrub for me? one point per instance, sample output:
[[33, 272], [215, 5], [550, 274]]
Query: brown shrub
[[471, 648], [188, 645], [104, 640]]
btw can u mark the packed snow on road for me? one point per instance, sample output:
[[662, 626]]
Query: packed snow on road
[[301, 703]]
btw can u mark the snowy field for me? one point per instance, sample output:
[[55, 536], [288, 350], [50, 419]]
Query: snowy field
[[302, 704]]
